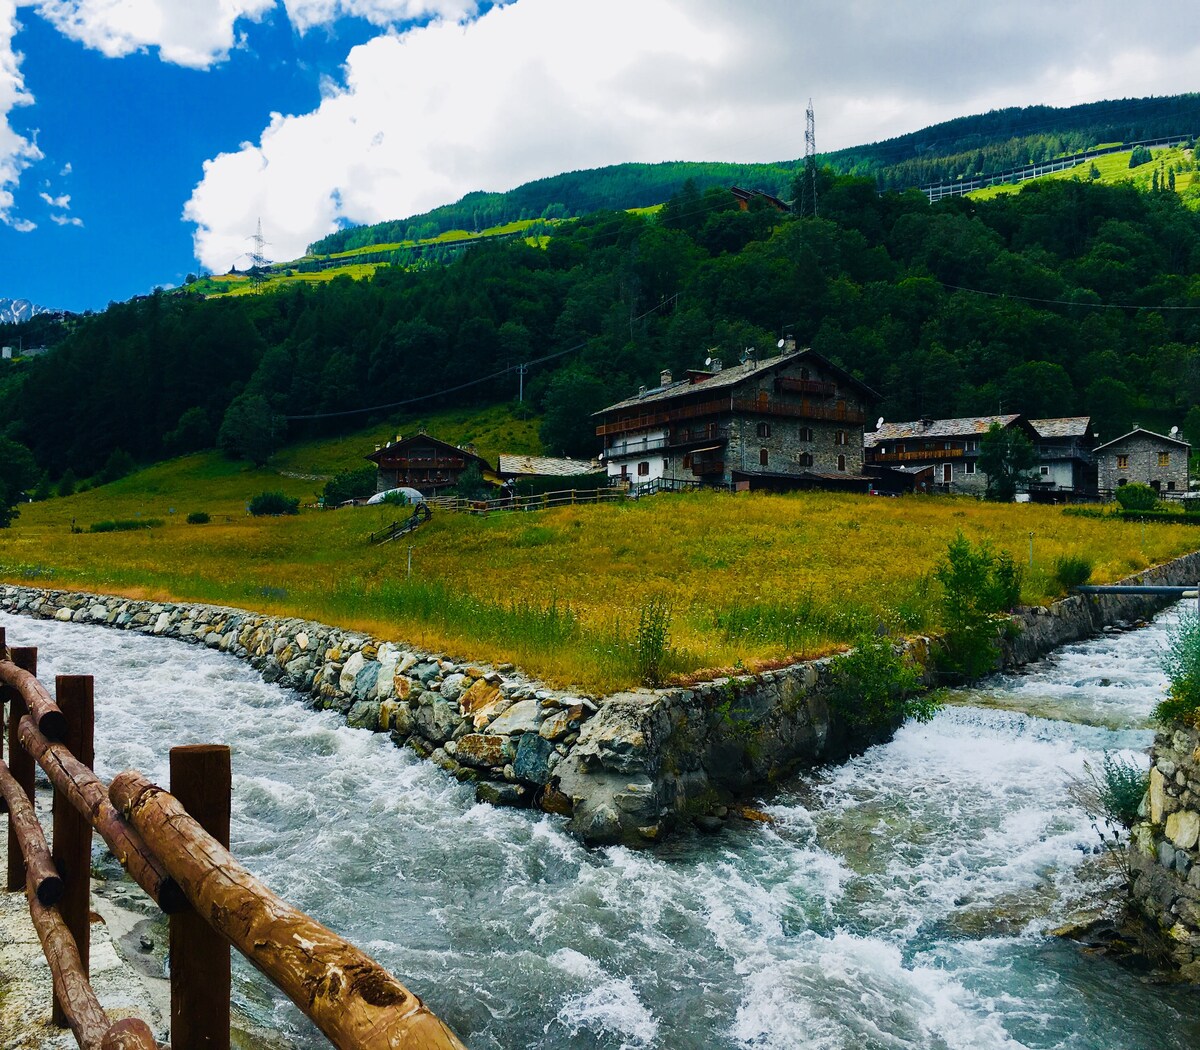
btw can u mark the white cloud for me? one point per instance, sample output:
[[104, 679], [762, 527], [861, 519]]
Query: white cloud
[[16, 151], [305, 14], [66, 220], [539, 87], [57, 202], [194, 33]]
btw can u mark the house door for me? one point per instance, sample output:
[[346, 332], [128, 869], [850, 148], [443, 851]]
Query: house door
[[947, 473]]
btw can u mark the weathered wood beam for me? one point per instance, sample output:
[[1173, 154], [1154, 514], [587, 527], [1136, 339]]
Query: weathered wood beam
[[89, 796], [82, 1009], [20, 763], [34, 852], [50, 720], [349, 996]]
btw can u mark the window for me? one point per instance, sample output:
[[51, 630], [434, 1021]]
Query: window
[[806, 434], [762, 457], [1170, 486], [1164, 459], [806, 459], [764, 430], [1122, 463], [969, 466], [946, 445], [971, 445], [840, 437], [687, 460], [804, 373], [666, 465], [1045, 471], [841, 462], [643, 469]]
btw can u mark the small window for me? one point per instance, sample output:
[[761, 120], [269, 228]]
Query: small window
[[841, 462], [762, 457], [946, 445], [1170, 486], [687, 459], [969, 466], [643, 469], [806, 459], [666, 464], [1122, 463], [764, 430], [806, 434], [1045, 471], [841, 438], [1164, 459]]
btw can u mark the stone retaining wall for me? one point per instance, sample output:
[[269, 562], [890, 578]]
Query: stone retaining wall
[[623, 768], [1165, 853]]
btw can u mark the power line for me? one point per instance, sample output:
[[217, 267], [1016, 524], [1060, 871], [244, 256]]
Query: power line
[[1062, 302]]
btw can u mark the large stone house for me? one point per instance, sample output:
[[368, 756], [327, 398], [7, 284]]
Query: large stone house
[[950, 446], [790, 421], [424, 463], [1157, 460]]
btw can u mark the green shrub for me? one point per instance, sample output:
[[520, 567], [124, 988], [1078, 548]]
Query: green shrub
[[267, 503], [1181, 664], [350, 484], [1072, 570], [652, 641], [395, 499], [980, 586], [125, 525], [119, 464], [198, 517], [68, 483], [873, 686], [1136, 497], [1122, 786]]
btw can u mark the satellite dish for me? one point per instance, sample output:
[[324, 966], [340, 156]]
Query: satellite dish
[[780, 344], [707, 361], [879, 422], [1174, 431]]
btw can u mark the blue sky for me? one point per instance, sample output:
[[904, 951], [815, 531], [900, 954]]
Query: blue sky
[[141, 140]]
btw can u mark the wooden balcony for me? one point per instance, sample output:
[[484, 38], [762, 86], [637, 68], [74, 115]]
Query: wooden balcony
[[919, 456], [712, 466], [422, 463], [804, 410], [662, 418], [806, 386]]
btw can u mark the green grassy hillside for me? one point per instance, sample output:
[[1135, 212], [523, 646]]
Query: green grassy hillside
[[1113, 169]]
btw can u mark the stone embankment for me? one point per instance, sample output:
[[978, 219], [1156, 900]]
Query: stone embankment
[[623, 768], [1165, 853]]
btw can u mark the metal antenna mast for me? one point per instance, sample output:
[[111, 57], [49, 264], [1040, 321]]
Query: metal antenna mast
[[258, 261], [808, 190]]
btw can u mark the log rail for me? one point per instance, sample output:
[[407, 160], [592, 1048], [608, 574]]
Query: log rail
[[179, 856]]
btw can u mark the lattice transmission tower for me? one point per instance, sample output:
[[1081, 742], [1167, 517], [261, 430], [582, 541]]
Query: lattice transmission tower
[[258, 261], [808, 182]]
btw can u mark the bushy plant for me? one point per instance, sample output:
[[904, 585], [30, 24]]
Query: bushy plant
[[119, 464], [1072, 570], [1136, 497], [873, 686], [980, 585], [395, 499], [1181, 663], [350, 484], [125, 525], [652, 641], [198, 517], [266, 503]]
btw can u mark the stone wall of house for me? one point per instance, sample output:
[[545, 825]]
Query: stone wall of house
[[1165, 851], [1143, 467], [785, 444], [622, 768]]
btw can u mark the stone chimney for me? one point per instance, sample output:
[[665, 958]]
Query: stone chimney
[[641, 391], [789, 343], [716, 365], [664, 377]]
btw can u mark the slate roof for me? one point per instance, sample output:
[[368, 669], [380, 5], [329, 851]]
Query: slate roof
[[730, 377], [1148, 433], [970, 426], [1064, 427], [546, 466]]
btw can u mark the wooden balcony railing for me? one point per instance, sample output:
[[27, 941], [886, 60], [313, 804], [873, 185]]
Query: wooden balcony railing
[[919, 456], [672, 415], [803, 410], [712, 466], [806, 386]]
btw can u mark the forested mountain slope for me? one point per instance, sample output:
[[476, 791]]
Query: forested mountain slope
[[1066, 298]]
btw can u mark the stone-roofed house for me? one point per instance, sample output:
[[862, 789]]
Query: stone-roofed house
[[425, 463], [950, 446], [1157, 460], [1066, 465], [514, 466], [790, 421]]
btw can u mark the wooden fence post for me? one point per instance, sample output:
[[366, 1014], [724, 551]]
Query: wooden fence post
[[20, 763], [200, 957], [72, 848]]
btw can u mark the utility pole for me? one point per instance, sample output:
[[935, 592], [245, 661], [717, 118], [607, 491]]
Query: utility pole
[[521, 370]]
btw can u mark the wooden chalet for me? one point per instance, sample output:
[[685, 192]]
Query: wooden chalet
[[424, 463], [787, 422]]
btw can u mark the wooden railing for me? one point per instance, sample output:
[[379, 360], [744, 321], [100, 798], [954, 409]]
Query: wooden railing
[[563, 498], [804, 410], [175, 846], [403, 526], [671, 415], [916, 456]]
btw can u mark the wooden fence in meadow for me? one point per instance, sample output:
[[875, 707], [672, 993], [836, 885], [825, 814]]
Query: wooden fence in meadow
[[175, 846]]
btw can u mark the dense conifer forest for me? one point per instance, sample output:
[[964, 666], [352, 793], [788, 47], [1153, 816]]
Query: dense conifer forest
[[1069, 297]]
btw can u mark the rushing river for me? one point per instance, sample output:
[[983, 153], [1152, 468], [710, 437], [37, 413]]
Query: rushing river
[[900, 900]]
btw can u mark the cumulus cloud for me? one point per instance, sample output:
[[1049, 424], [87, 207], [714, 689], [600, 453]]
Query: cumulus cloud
[[16, 151], [538, 87], [195, 33], [305, 14], [56, 202]]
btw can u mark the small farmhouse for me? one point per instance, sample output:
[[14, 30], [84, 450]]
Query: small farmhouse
[[424, 463], [1066, 465], [790, 421], [950, 446], [1157, 460]]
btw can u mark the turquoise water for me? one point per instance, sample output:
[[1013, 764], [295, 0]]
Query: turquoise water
[[897, 901]]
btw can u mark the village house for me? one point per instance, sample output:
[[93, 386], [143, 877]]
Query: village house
[[791, 421], [1157, 460], [1066, 465], [949, 446], [425, 463]]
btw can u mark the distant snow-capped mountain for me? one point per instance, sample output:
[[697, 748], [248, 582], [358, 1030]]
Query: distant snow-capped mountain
[[14, 311]]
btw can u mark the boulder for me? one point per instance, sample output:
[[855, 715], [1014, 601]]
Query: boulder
[[1183, 828], [483, 751], [365, 680], [453, 686], [502, 794], [364, 715], [436, 721], [350, 671], [523, 717], [532, 761]]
